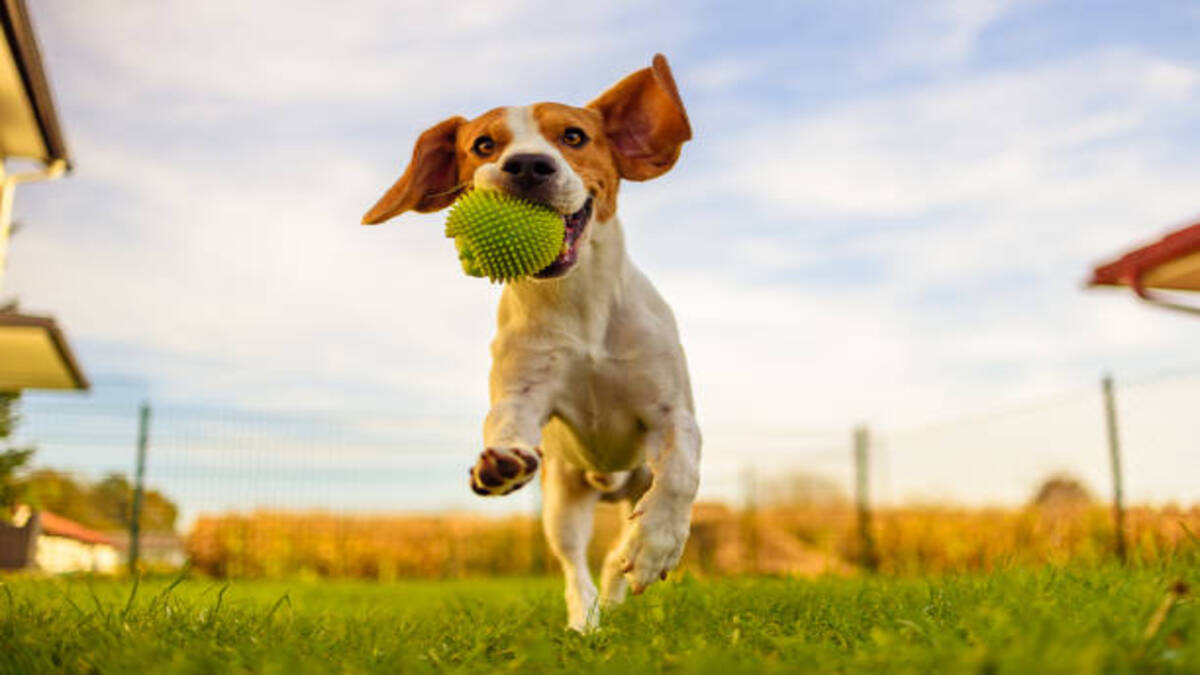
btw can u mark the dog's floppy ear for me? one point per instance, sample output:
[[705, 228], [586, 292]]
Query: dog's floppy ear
[[645, 121], [431, 180]]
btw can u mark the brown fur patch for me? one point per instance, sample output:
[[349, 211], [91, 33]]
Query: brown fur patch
[[491, 123]]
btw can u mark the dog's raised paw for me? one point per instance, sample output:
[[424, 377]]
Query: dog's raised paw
[[499, 471]]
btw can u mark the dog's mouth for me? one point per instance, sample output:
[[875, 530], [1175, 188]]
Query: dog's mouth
[[575, 225]]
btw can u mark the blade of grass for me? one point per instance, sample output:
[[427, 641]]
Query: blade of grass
[[212, 617], [84, 617], [162, 595], [1176, 592], [137, 581], [96, 599], [70, 602], [284, 598]]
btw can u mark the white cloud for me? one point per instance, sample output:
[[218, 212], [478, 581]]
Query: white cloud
[[273, 53], [939, 35], [975, 142]]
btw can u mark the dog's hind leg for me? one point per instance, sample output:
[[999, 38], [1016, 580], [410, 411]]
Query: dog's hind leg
[[568, 506], [613, 585]]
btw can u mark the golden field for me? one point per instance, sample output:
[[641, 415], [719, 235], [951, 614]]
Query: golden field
[[802, 541]]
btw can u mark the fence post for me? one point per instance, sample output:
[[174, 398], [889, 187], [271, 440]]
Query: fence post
[[135, 520], [862, 442], [1114, 455]]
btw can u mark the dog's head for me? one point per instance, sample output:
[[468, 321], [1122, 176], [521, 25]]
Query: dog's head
[[571, 159]]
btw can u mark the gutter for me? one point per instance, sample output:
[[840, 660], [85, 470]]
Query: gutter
[[8, 187], [1159, 300]]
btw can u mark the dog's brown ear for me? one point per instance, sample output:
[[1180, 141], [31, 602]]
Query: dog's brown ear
[[430, 182], [645, 121]]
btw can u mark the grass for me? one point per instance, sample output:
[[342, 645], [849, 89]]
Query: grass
[[1073, 620]]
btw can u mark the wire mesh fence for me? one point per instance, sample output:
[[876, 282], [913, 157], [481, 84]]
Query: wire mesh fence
[[379, 495]]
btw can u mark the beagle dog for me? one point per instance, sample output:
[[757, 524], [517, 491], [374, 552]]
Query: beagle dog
[[588, 377]]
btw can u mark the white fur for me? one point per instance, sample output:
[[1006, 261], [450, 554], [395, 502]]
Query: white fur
[[567, 193], [589, 367], [567, 520]]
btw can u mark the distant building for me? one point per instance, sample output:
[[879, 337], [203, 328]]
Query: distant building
[[43, 541]]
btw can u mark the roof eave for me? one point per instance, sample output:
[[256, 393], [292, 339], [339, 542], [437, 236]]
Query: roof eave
[[56, 337], [22, 41]]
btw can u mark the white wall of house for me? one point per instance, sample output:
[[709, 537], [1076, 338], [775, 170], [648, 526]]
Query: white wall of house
[[58, 555]]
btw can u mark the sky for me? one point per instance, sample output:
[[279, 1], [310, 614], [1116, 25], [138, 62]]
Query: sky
[[886, 217]]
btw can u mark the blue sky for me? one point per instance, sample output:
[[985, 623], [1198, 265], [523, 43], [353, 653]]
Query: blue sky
[[886, 215]]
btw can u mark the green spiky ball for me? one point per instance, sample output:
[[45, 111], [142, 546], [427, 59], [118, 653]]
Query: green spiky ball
[[503, 237]]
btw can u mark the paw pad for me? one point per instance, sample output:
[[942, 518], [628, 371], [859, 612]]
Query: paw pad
[[499, 472]]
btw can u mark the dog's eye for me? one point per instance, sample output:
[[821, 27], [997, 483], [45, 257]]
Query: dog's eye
[[483, 146], [574, 137]]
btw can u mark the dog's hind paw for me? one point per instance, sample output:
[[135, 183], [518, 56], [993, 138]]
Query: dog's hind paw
[[498, 472]]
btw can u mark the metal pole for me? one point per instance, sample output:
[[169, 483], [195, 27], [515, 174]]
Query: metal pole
[[866, 542], [135, 521], [1114, 455]]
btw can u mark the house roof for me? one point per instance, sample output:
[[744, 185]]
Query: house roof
[[56, 525], [34, 354], [28, 122], [1171, 263]]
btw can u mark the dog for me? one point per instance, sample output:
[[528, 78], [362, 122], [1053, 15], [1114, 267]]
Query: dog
[[588, 377]]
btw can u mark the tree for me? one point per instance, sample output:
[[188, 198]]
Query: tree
[[59, 493], [104, 505], [1062, 490], [8, 414], [12, 460], [12, 488], [112, 498]]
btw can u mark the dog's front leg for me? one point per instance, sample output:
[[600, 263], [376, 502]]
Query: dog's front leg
[[654, 541], [511, 436]]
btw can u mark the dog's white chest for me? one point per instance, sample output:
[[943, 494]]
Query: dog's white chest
[[600, 414]]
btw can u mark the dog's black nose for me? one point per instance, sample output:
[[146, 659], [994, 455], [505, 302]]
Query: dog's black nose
[[529, 169]]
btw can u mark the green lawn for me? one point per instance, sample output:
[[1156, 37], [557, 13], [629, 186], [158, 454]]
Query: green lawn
[[1016, 621]]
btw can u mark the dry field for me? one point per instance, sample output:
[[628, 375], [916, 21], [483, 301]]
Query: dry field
[[725, 542]]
